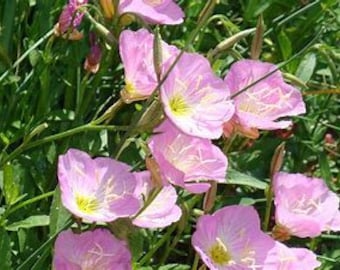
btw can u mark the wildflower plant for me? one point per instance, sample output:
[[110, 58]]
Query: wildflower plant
[[162, 134]]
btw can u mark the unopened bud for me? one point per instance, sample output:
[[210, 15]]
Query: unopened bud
[[92, 61], [210, 197], [229, 42], [126, 19], [256, 45], [36, 131], [157, 54], [108, 8], [153, 168], [277, 159], [280, 233]]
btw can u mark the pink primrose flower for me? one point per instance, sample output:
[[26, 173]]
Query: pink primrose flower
[[283, 257], [231, 239], [305, 206], [162, 211], [263, 104], [136, 51], [97, 249], [186, 160], [100, 189], [153, 11], [195, 99]]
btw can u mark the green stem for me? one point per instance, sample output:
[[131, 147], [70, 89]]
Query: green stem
[[41, 40], [146, 258], [49, 241], [229, 143], [87, 127], [109, 113], [30, 201], [195, 263], [80, 92], [102, 30], [149, 200], [181, 225], [291, 16], [269, 197]]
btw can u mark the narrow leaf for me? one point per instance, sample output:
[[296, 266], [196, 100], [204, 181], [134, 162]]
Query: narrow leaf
[[5, 250], [238, 178], [59, 215], [30, 222]]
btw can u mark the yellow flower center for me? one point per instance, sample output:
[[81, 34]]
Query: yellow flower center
[[219, 253], [178, 105], [86, 204], [130, 88]]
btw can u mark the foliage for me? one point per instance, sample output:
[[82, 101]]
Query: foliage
[[47, 101]]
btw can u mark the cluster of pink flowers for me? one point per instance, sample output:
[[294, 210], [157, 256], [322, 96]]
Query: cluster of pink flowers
[[198, 107], [104, 190], [231, 239]]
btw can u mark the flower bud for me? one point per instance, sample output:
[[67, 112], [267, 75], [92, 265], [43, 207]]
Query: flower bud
[[108, 8], [92, 61]]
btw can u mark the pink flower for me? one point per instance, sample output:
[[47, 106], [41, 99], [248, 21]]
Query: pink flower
[[185, 160], [154, 11], [136, 51], [162, 211], [305, 206], [70, 17], [231, 238], [263, 104], [97, 249], [195, 99], [283, 257], [100, 189]]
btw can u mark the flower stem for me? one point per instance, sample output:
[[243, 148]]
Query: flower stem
[[269, 197], [109, 113], [160, 242], [195, 263], [87, 127]]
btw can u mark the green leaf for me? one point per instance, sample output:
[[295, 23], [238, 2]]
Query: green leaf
[[30, 222], [256, 7], [10, 189], [238, 178], [174, 267], [58, 213], [247, 201], [285, 45], [325, 169], [136, 241], [306, 67], [136, 267], [5, 250]]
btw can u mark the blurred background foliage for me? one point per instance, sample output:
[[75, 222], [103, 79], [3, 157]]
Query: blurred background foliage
[[44, 91]]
